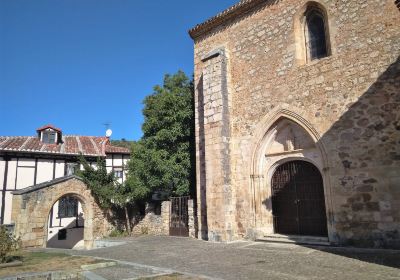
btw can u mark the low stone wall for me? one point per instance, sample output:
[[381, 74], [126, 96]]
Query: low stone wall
[[152, 223], [155, 224]]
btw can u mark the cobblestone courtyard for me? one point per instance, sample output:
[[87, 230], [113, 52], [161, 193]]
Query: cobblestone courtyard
[[249, 260]]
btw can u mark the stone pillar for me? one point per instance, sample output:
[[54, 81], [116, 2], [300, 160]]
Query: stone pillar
[[215, 198], [165, 213], [192, 219]]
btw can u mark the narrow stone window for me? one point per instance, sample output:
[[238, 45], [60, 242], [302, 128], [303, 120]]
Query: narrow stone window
[[316, 35]]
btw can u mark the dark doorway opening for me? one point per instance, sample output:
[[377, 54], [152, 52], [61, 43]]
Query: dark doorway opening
[[298, 202]]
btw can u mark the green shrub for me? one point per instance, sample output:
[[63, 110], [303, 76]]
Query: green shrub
[[8, 244], [118, 233]]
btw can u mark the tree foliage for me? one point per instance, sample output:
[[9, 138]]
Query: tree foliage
[[163, 158], [106, 188], [122, 143], [102, 184]]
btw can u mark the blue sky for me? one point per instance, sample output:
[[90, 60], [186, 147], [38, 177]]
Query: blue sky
[[79, 64]]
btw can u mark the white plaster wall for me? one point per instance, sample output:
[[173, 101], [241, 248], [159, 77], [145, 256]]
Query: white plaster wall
[[2, 170], [7, 213], [26, 177], [118, 160], [44, 170], [26, 162], [60, 168], [1, 200], [25, 172], [12, 170], [109, 160]]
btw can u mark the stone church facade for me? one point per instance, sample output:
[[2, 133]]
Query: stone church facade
[[298, 121]]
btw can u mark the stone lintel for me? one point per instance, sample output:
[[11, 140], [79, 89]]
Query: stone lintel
[[214, 53]]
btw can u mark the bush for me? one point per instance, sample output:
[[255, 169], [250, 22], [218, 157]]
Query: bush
[[8, 244], [118, 233]]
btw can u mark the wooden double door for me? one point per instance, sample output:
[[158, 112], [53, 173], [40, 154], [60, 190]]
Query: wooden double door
[[298, 202]]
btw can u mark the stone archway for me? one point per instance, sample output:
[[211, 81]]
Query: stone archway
[[66, 222], [32, 205], [281, 137]]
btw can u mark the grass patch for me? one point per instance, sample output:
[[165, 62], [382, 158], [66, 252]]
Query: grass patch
[[45, 261], [118, 233]]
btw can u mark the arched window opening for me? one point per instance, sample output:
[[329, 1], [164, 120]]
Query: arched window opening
[[316, 35]]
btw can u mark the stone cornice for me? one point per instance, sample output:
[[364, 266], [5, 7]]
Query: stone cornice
[[235, 10]]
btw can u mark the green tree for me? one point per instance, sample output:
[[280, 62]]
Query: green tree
[[164, 158], [101, 183], [107, 191], [122, 143]]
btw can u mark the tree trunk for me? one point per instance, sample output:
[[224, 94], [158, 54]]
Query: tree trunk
[[128, 223]]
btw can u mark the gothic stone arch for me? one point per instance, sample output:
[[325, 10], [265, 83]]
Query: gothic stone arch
[[32, 205], [283, 136]]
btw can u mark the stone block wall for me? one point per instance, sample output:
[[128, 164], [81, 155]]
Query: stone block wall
[[248, 74], [159, 224], [215, 144], [152, 223], [192, 219]]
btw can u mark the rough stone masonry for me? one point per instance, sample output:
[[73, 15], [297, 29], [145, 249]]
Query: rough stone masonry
[[257, 94]]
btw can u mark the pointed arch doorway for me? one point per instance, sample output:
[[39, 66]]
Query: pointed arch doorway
[[298, 202], [289, 140]]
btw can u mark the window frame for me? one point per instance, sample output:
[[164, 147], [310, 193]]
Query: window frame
[[119, 170], [49, 135], [315, 11], [68, 207]]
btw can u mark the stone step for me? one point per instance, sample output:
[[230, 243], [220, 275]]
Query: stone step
[[295, 239]]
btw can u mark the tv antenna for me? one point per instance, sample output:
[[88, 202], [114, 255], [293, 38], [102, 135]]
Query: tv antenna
[[107, 125], [108, 130]]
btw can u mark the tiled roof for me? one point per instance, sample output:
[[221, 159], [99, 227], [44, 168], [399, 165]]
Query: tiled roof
[[241, 7], [116, 150], [48, 126], [71, 145]]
